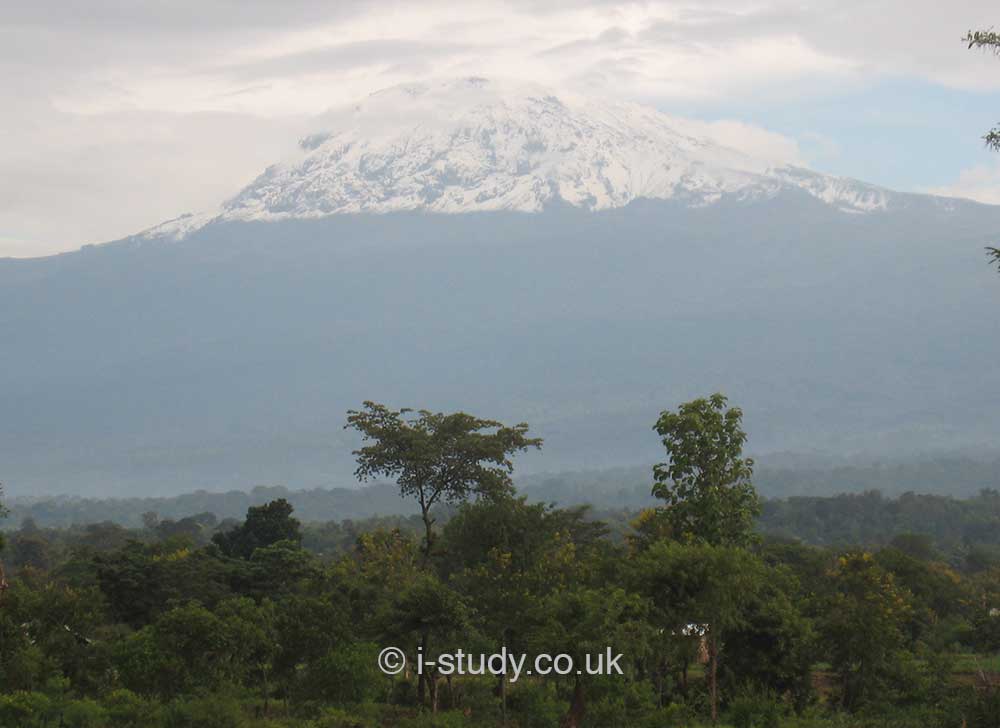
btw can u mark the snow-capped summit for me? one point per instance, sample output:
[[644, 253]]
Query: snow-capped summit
[[476, 144]]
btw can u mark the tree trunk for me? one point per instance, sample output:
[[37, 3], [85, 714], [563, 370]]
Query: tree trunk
[[503, 699], [428, 534], [713, 683], [503, 683], [421, 678], [574, 716], [660, 669], [432, 683]]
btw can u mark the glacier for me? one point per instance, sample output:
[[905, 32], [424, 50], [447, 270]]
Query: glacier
[[477, 145]]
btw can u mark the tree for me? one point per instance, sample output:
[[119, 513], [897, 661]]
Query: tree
[[988, 39], [251, 632], [700, 587], [131, 580], [584, 622], [775, 646], [509, 554], [191, 649], [706, 482], [863, 626], [264, 525], [437, 458], [437, 616], [307, 628]]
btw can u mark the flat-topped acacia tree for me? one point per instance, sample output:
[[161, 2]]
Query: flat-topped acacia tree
[[435, 457]]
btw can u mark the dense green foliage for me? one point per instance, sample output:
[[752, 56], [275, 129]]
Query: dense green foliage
[[706, 482], [268, 622], [956, 529], [152, 627]]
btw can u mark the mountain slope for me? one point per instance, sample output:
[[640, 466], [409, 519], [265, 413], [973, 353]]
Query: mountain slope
[[475, 144], [223, 352]]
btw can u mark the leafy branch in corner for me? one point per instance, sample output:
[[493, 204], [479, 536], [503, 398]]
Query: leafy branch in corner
[[989, 39]]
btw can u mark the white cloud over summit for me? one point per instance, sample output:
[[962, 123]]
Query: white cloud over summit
[[118, 116], [980, 183]]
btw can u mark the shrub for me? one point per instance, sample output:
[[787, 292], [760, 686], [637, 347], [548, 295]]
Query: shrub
[[125, 709], [337, 718], [85, 713], [535, 704], [347, 674], [752, 708], [449, 719], [209, 711], [23, 709]]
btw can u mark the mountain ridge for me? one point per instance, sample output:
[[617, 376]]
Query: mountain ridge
[[476, 144]]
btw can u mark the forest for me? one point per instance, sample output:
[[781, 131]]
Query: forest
[[942, 481], [857, 610]]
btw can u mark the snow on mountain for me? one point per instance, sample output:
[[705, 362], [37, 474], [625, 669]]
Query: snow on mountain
[[475, 144]]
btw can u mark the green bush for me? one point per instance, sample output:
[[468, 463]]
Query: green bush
[[85, 713], [337, 718], [125, 709], [479, 696], [449, 719], [347, 674], [752, 708], [22, 709], [617, 703], [208, 711], [535, 704], [981, 709]]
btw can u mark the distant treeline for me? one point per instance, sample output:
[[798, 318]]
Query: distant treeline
[[622, 489], [780, 476], [320, 504], [956, 528]]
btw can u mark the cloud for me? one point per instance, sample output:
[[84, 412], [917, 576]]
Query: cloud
[[980, 183], [755, 141], [342, 57], [108, 102], [89, 179], [170, 58]]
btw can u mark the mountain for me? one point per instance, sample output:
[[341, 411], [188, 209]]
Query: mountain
[[519, 253], [476, 145]]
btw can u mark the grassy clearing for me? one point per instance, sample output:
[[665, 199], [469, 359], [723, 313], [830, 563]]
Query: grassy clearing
[[967, 663]]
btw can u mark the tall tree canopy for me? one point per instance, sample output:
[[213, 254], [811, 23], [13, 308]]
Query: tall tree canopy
[[706, 481], [437, 458], [264, 525]]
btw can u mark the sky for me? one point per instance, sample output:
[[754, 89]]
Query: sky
[[116, 116]]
